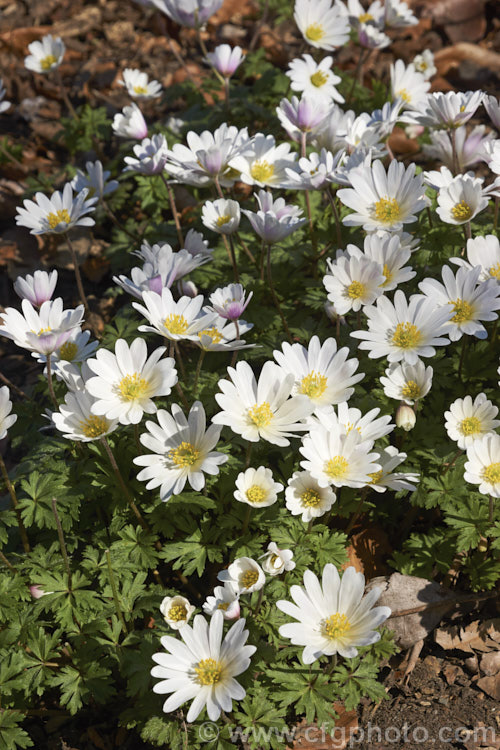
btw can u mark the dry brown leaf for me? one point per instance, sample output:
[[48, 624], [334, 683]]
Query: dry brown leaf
[[312, 737], [451, 57], [474, 637], [490, 686], [369, 551], [95, 267], [399, 143], [89, 18], [490, 663]]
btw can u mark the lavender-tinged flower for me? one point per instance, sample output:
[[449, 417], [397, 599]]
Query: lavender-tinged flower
[[303, 115], [226, 59], [38, 288], [192, 13], [275, 220], [469, 149], [492, 107], [130, 123], [230, 301], [317, 171], [95, 181], [152, 155]]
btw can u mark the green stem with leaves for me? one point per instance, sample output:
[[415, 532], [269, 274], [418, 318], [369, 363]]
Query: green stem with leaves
[[62, 542], [114, 589], [123, 486], [15, 505]]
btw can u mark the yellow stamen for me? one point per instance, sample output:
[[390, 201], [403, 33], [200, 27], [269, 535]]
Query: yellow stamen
[[461, 211], [470, 426], [223, 220], [335, 626], [208, 672], [42, 331], [337, 467], [365, 17], [47, 62], [132, 387], [463, 311], [376, 476], [256, 494], [140, 90], [388, 275], [387, 210], [356, 290], [176, 324], [405, 96], [184, 455], [177, 612], [491, 473], [248, 578], [223, 606], [406, 336], [262, 171], [319, 79], [314, 32], [68, 351], [411, 390], [261, 415], [58, 217], [213, 333], [310, 498], [94, 427], [313, 385], [495, 271]]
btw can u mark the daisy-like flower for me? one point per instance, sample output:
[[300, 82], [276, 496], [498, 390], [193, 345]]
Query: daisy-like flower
[[338, 458], [302, 116], [275, 220], [358, 14], [76, 420], [76, 348], [469, 148], [96, 181], [468, 420], [41, 331], [389, 458], [314, 79], [4, 105], [353, 282], [383, 200], [138, 84], [321, 23], [347, 419], [263, 163], [38, 288], [404, 330], [449, 110], [126, 382], [176, 611], [257, 488], [276, 560], [230, 301], [469, 300], [221, 216], [196, 245], [6, 418], [483, 464], [151, 153], [306, 498], [491, 154], [225, 600], [225, 59], [461, 200], [383, 120], [398, 14], [321, 373], [244, 575], [130, 123], [204, 667], [333, 617], [492, 107], [385, 249], [45, 55], [192, 13], [182, 451], [424, 64], [408, 383], [57, 214], [485, 253], [263, 409], [223, 335], [175, 320], [317, 171], [408, 84]]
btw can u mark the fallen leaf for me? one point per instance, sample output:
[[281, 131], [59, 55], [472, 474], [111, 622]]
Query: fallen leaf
[[369, 551], [490, 663], [490, 686], [474, 637], [312, 737], [451, 57]]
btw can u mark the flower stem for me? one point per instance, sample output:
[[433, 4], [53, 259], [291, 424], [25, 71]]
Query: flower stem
[[179, 360], [331, 198], [259, 601], [173, 208], [248, 455], [356, 513], [303, 152], [491, 510], [83, 298], [123, 486], [62, 543], [13, 387], [462, 357], [114, 589], [247, 250], [7, 563], [15, 505], [50, 383], [198, 370], [274, 296], [228, 244], [246, 520], [65, 96], [115, 221], [452, 134]]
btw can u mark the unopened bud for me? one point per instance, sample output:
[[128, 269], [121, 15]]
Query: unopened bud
[[187, 288], [405, 417], [483, 545]]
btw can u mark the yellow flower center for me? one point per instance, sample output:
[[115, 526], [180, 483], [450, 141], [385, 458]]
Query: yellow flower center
[[310, 498], [94, 427], [365, 17], [262, 171], [260, 414], [356, 290], [405, 96], [461, 211], [411, 390], [463, 311], [349, 426], [42, 331], [319, 79], [491, 473], [208, 672], [337, 467], [376, 476], [256, 494], [177, 612], [213, 333], [140, 90], [470, 426], [335, 626], [388, 275], [58, 217], [132, 387], [68, 351], [406, 336], [314, 32], [387, 210], [184, 455], [176, 324], [48, 62], [495, 271], [248, 578], [223, 220], [223, 606], [313, 385]]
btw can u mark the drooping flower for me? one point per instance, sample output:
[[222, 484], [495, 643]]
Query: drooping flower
[[130, 123], [96, 180], [138, 84], [468, 420], [274, 220], [408, 383], [6, 418], [41, 331], [76, 348], [151, 156], [306, 498], [257, 488], [276, 560], [321, 23], [226, 59], [176, 611], [469, 148], [45, 55], [38, 288], [57, 214], [244, 575], [483, 464]]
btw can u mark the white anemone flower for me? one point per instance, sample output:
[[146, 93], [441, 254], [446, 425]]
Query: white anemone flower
[[224, 599], [333, 616], [353, 282], [404, 330], [176, 611], [151, 156], [314, 79], [263, 163], [45, 55], [470, 301], [468, 420], [408, 84], [275, 220], [96, 180], [204, 667], [397, 14], [492, 107], [223, 335], [76, 420], [126, 382], [302, 117], [383, 200], [323, 374], [221, 216], [6, 418], [424, 63], [338, 458], [358, 14], [369, 427], [276, 560], [470, 148], [230, 301], [306, 498], [138, 84], [483, 464], [196, 245], [385, 249], [389, 458], [461, 200], [174, 319], [490, 153], [225, 59], [257, 488], [57, 214], [446, 110], [41, 331], [485, 253], [4, 105], [77, 348], [192, 13], [371, 37], [321, 23], [163, 267], [130, 123], [317, 171], [408, 383], [38, 288], [181, 451], [263, 409], [244, 575], [383, 120]]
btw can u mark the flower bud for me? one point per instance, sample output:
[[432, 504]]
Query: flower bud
[[187, 288], [405, 417]]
